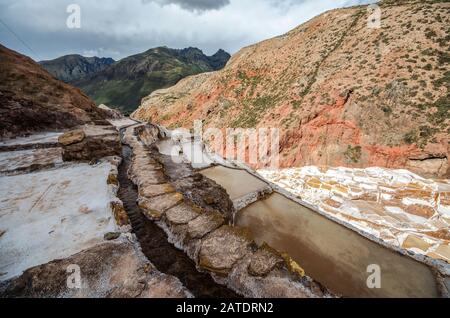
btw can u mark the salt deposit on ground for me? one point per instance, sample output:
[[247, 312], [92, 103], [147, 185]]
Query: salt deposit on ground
[[52, 214], [122, 123], [26, 159], [397, 206]]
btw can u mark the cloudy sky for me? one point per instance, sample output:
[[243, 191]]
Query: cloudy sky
[[119, 28]]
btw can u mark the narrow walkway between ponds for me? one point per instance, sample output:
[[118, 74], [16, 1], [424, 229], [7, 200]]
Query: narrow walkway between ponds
[[158, 250]]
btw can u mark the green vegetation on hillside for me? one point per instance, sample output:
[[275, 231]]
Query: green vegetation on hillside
[[125, 83]]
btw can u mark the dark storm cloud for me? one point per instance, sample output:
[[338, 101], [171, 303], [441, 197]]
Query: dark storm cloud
[[194, 5]]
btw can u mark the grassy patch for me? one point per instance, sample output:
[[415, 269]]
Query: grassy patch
[[442, 113], [253, 111]]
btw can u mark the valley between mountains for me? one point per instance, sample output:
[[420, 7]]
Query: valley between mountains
[[104, 196]]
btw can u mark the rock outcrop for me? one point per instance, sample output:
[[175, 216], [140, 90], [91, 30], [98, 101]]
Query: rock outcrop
[[341, 93], [32, 100], [112, 113]]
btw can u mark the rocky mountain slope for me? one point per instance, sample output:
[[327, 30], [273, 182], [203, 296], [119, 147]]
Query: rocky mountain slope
[[33, 100], [342, 94], [125, 83], [74, 67]]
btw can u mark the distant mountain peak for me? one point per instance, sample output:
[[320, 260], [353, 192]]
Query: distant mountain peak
[[124, 83]]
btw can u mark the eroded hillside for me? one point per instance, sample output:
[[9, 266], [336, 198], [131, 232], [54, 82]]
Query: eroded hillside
[[74, 67], [341, 93], [126, 82]]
